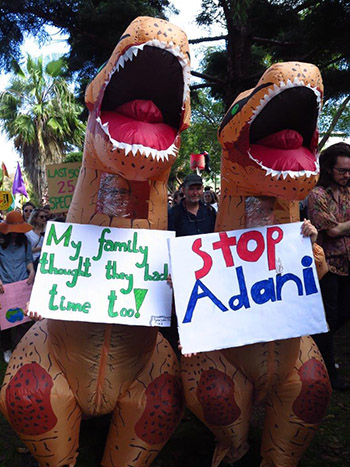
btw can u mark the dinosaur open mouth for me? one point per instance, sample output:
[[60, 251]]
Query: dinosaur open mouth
[[283, 131], [142, 106]]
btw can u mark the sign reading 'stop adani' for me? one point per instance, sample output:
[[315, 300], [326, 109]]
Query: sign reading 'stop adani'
[[242, 287]]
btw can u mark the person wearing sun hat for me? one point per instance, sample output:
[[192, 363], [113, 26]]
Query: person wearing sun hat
[[16, 264]]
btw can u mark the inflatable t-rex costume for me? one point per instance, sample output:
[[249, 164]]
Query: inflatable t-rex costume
[[269, 141], [61, 371]]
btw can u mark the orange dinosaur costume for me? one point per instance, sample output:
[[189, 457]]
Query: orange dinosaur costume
[[269, 140], [61, 371]]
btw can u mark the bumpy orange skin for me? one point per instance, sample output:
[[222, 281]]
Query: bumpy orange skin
[[91, 368], [288, 375]]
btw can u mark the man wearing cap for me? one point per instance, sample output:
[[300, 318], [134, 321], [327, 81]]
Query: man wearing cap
[[191, 216]]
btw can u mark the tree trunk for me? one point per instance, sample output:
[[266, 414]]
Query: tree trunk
[[334, 122]]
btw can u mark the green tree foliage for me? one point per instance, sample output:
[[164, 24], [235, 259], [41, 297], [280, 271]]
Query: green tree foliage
[[199, 137], [39, 112], [260, 32], [93, 26]]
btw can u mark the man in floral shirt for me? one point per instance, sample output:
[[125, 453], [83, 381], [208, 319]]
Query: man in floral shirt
[[329, 211]]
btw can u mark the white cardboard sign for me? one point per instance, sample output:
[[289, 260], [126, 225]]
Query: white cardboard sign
[[246, 286], [103, 274]]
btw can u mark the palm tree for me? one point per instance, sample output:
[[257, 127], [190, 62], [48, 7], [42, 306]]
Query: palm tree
[[39, 112]]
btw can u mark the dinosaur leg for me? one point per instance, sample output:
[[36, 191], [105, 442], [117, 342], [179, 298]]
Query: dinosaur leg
[[147, 413], [221, 397], [38, 402], [295, 409]]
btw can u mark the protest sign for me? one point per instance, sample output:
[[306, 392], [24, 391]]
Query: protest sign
[[13, 302], [103, 274], [246, 286], [61, 179], [6, 199]]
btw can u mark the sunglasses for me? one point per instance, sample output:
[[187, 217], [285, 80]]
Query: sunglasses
[[42, 217], [28, 210]]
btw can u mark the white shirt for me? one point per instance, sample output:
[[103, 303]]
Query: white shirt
[[35, 241]]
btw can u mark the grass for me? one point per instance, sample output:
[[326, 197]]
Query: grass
[[192, 444]]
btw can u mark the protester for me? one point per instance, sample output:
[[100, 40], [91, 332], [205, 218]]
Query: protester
[[16, 264], [177, 197], [37, 220], [329, 211], [210, 199], [191, 216], [27, 209]]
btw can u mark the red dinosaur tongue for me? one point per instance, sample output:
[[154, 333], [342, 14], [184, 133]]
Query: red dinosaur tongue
[[139, 122], [283, 151]]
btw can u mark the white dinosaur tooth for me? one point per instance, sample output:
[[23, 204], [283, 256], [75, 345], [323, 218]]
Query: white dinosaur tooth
[[127, 55], [121, 62]]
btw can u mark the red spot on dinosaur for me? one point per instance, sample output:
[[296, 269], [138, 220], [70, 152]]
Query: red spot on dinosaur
[[312, 402], [163, 410], [216, 393], [28, 401]]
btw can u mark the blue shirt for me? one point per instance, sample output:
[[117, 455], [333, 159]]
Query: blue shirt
[[13, 262]]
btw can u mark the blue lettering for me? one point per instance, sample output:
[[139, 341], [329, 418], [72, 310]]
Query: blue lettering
[[263, 291], [309, 280], [281, 280], [195, 295], [242, 298]]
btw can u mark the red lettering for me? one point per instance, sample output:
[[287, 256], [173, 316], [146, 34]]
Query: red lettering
[[242, 246], [61, 186], [271, 243], [207, 259], [224, 244]]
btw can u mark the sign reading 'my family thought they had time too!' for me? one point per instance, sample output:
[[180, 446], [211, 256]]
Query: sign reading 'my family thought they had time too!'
[[246, 286], [103, 274]]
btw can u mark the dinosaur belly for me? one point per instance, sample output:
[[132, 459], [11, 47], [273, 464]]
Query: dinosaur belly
[[102, 360], [265, 364]]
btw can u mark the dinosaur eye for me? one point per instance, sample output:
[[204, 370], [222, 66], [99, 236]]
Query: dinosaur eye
[[234, 109]]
